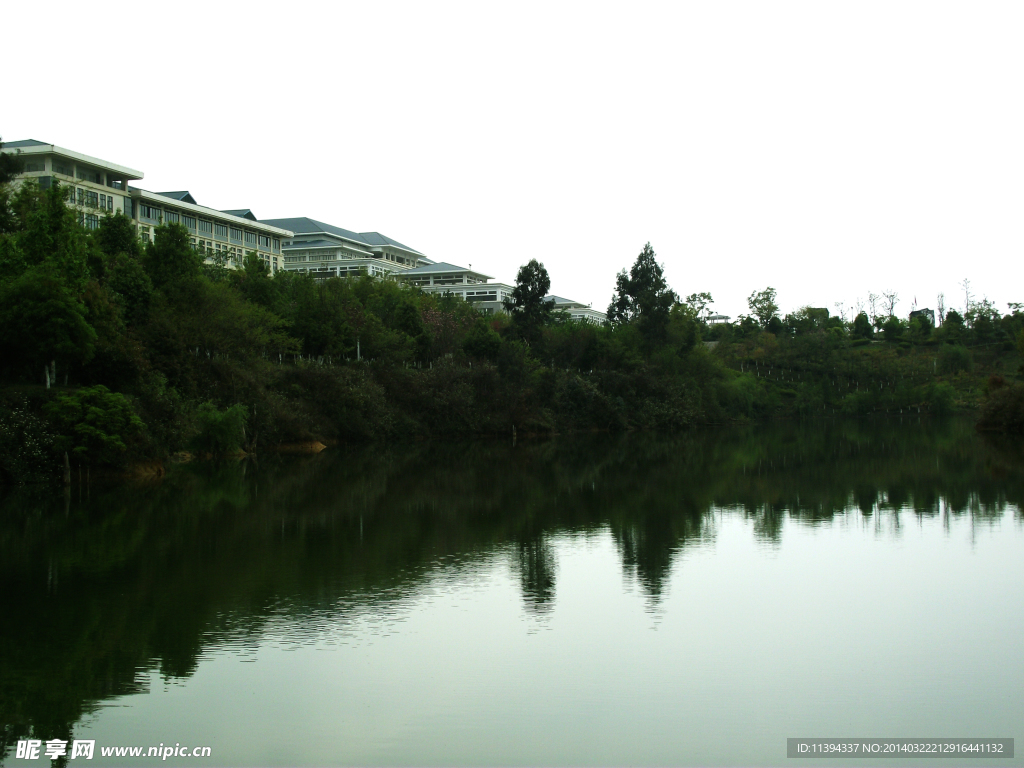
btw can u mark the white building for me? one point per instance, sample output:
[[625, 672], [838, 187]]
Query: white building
[[577, 310], [487, 297], [95, 187], [98, 187], [324, 250], [467, 284], [223, 236]]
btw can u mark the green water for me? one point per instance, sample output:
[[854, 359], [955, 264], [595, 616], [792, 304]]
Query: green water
[[663, 600]]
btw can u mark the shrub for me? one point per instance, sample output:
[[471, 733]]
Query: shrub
[[482, 341], [953, 359], [1003, 409], [858, 403], [220, 432], [94, 424], [940, 398]]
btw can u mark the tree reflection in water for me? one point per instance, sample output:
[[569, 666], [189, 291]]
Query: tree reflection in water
[[100, 588]]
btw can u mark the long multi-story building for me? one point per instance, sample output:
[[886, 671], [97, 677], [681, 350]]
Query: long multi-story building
[[324, 250], [98, 187]]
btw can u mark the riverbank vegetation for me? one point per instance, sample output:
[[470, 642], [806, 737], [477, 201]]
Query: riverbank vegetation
[[115, 352]]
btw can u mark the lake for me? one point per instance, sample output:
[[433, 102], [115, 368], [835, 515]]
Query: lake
[[687, 599]]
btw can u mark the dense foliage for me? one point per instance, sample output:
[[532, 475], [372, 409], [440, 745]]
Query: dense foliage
[[116, 351]]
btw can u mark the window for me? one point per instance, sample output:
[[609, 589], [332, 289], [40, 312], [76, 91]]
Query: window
[[206, 227], [189, 222], [92, 221], [149, 212], [33, 167], [81, 196], [103, 202], [110, 202], [145, 234], [170, 217], [92, 199], [236, 235], [264, 242], [129, 208], [250, 238], [63, 168], [221, 230], [88, 174], [277, 245]]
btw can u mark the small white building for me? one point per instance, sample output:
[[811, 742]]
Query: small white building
[[467, 284], [578, 311]]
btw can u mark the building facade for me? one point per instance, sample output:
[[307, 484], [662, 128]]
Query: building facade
[[97, 188], [324, 250], [93, 187], [223, 237]]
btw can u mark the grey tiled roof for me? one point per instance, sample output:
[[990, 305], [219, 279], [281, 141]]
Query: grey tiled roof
[[25, 143], [376, 238], [303, 225], [182, 196], [245, 213]]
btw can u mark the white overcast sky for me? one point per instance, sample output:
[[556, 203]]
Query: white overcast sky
[[826, 149]]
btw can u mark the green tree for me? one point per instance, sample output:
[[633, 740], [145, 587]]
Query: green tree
[[528, 305], [482, 341], [893, 328], [701, 303], [131, 287], [920, 329], [43, 321], [117, 236], [53, 238], [762, 306], [94, 424], [170, 258], [643, 297], [10, 166], [862, 327]]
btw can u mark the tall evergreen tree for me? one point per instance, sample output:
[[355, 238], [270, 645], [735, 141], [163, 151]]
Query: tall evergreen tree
[[528, 306], [643, 297]]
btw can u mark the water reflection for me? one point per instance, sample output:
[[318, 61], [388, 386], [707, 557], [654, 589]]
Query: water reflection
[[103, 587]]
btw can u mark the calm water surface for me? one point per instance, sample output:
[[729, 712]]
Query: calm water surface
[[689, 599]]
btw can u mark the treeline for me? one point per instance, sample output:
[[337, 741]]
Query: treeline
[[116, 351], [810, 361]]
